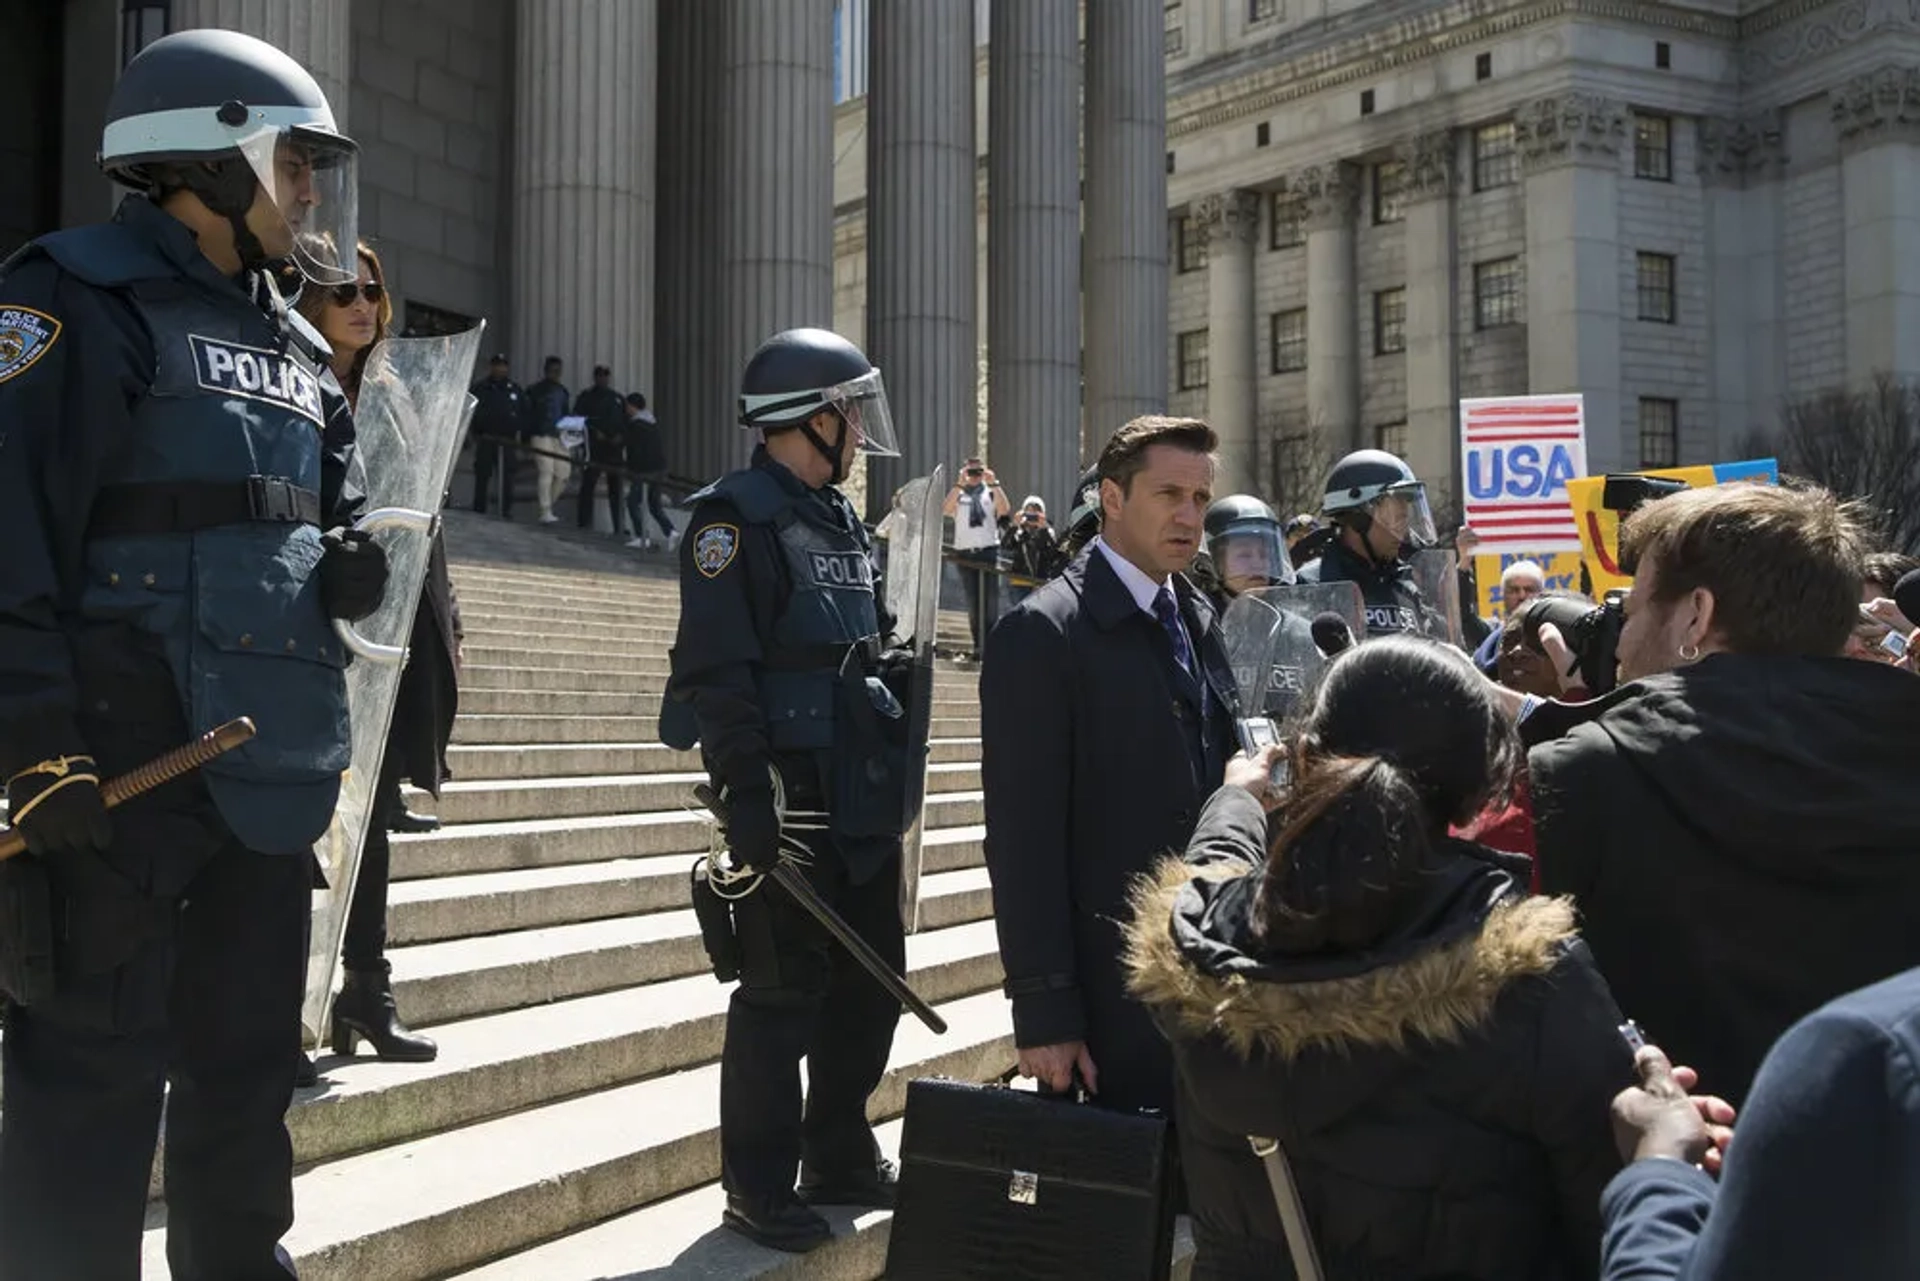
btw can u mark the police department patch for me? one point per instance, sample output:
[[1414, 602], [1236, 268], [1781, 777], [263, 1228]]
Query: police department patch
[[713, 549], [25, 336]]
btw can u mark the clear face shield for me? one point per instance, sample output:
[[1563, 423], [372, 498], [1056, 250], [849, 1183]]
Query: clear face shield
[[313, 179], [1402, 512], [863, 403], [1251, 556]]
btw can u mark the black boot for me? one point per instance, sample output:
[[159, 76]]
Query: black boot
[[777, 1222], [305, 1074], [364, 1009], [405, 821], [874, 1187]]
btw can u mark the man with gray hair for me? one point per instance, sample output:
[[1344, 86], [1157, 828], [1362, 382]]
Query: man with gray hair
[[1520, 582]]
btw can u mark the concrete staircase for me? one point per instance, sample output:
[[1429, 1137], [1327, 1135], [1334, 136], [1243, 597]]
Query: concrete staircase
[[569, 1128]]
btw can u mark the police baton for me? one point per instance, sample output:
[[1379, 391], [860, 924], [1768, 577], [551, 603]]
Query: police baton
[[161, 769], [809, 898]]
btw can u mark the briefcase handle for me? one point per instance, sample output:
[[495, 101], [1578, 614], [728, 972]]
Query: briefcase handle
[[1293, 1215], [1079, 1095]]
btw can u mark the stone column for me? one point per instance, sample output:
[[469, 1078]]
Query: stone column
[[1878, 119], [315, 32], [1333, 367], [1432, 386], [1570, 149], [776, 175], [922, 235], [1740, 163], [1230, 220], [583, 217], [1033, 246], [1124, 252], [90, 49], [694, 391]]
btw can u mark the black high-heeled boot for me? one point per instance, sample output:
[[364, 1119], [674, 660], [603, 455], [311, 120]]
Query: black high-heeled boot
[[365, 1010]]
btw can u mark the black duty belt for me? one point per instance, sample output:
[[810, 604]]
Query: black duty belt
[[813, 658], [183, 506]]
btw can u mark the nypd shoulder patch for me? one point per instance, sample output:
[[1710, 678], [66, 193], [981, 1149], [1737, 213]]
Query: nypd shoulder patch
[[713, 548], [25, 336]]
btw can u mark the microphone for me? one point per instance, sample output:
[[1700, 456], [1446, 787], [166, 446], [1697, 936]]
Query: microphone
[[1906, 595], [1331, 633]]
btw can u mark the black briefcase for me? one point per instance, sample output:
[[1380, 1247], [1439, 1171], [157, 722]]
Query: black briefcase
[[999, 1184]]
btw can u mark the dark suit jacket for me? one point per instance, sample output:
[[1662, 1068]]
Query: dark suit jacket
[[1096, 756]]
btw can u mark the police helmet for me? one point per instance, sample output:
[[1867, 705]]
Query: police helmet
[[221, 114], [1083, 518], [798, 373], [1245, 542], [1373, 486]]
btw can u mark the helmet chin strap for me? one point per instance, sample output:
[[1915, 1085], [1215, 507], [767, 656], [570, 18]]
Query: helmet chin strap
[[228, 188], [836, 457]]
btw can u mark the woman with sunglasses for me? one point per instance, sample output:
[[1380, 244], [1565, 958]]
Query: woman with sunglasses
[[353, 318]]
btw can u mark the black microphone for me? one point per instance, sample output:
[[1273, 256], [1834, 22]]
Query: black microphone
[[1906, 595], [1331, 633]]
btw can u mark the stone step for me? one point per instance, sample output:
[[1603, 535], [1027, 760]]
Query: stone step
[[465, 1196], [499, 761], [584, 588], [566, 702], [516, 729], [551, 842], [443, 908], [676, 1238], [466, 977], [500, 1063], [546, 653], [506, 802], [487, 621]]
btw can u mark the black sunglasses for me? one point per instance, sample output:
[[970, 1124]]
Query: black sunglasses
[[373, 291]]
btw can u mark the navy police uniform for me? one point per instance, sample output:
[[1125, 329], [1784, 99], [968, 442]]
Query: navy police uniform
[[779, 636], [1393, 603], [171, 447]]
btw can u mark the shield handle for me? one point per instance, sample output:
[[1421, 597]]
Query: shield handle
[[384, 518]]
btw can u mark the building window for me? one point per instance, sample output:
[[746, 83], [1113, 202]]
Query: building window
[[1389, 192], [1494, 157], [141, 23], [1483, 66], [1286, 221], [1659, 432], [1496, 293], [1389, 321], [1653, 147], [1190, 243], [1176, 28], [1391, 437], [1288, 339], [1259, 11], [1653, 273], [1193, 360]]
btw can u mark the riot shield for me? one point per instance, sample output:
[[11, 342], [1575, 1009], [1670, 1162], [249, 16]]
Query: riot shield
[[913, 597], [410, 419], [1436, 577], [1271, 643]]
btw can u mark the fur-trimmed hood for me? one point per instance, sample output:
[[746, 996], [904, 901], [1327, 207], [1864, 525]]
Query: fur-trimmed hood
[[1191, 958]]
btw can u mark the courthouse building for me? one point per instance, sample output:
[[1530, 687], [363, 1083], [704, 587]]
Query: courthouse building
[[1318, 223]]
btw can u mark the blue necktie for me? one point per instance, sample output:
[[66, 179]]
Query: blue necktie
[[1168, 613]]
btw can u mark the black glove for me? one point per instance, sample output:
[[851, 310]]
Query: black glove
[[353, 574], [57, 807], [753, 829]]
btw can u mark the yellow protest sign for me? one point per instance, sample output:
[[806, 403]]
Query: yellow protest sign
[[1600, 528], [1559, 570]]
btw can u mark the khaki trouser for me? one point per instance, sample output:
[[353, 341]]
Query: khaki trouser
[[550, 472]]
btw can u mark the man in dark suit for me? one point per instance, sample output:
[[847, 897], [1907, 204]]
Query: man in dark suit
[[1107, 715]]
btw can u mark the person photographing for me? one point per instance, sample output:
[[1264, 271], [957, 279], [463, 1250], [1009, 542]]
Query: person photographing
[[977, 504]]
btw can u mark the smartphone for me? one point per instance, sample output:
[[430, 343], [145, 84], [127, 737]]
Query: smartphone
[[1631, 1034], [1895, 644], [1257, 734]]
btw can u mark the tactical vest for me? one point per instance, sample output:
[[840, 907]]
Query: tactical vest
[[828, 610], [1391, 599], [229, 434]]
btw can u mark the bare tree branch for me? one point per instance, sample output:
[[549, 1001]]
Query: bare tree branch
[[1863, 445]]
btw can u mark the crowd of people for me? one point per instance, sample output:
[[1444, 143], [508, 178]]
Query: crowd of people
[[1404, 944]]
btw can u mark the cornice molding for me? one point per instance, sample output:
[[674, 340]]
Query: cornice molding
[[1228, 217]]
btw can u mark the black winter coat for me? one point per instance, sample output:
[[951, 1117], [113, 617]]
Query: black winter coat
[[429, 694], [1443, 1098], [1742, 837]]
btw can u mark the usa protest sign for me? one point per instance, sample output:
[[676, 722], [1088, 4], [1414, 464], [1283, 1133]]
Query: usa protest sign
[[1517, 455]]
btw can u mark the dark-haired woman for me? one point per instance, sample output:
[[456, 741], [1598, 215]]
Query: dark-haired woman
[[353, 319], [1434, 1050]]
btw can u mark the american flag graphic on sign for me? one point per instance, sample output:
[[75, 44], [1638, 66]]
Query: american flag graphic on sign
[[1517, 455]]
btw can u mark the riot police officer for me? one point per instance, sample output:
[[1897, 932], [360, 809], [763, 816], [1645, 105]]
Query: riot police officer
[[778, 661], [1245, 543], [1379, 512], [175, 453]]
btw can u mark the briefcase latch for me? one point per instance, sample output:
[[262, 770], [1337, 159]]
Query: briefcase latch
[[1023, 1188]]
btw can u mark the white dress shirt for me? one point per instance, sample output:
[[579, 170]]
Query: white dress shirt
[[1143, 589]]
